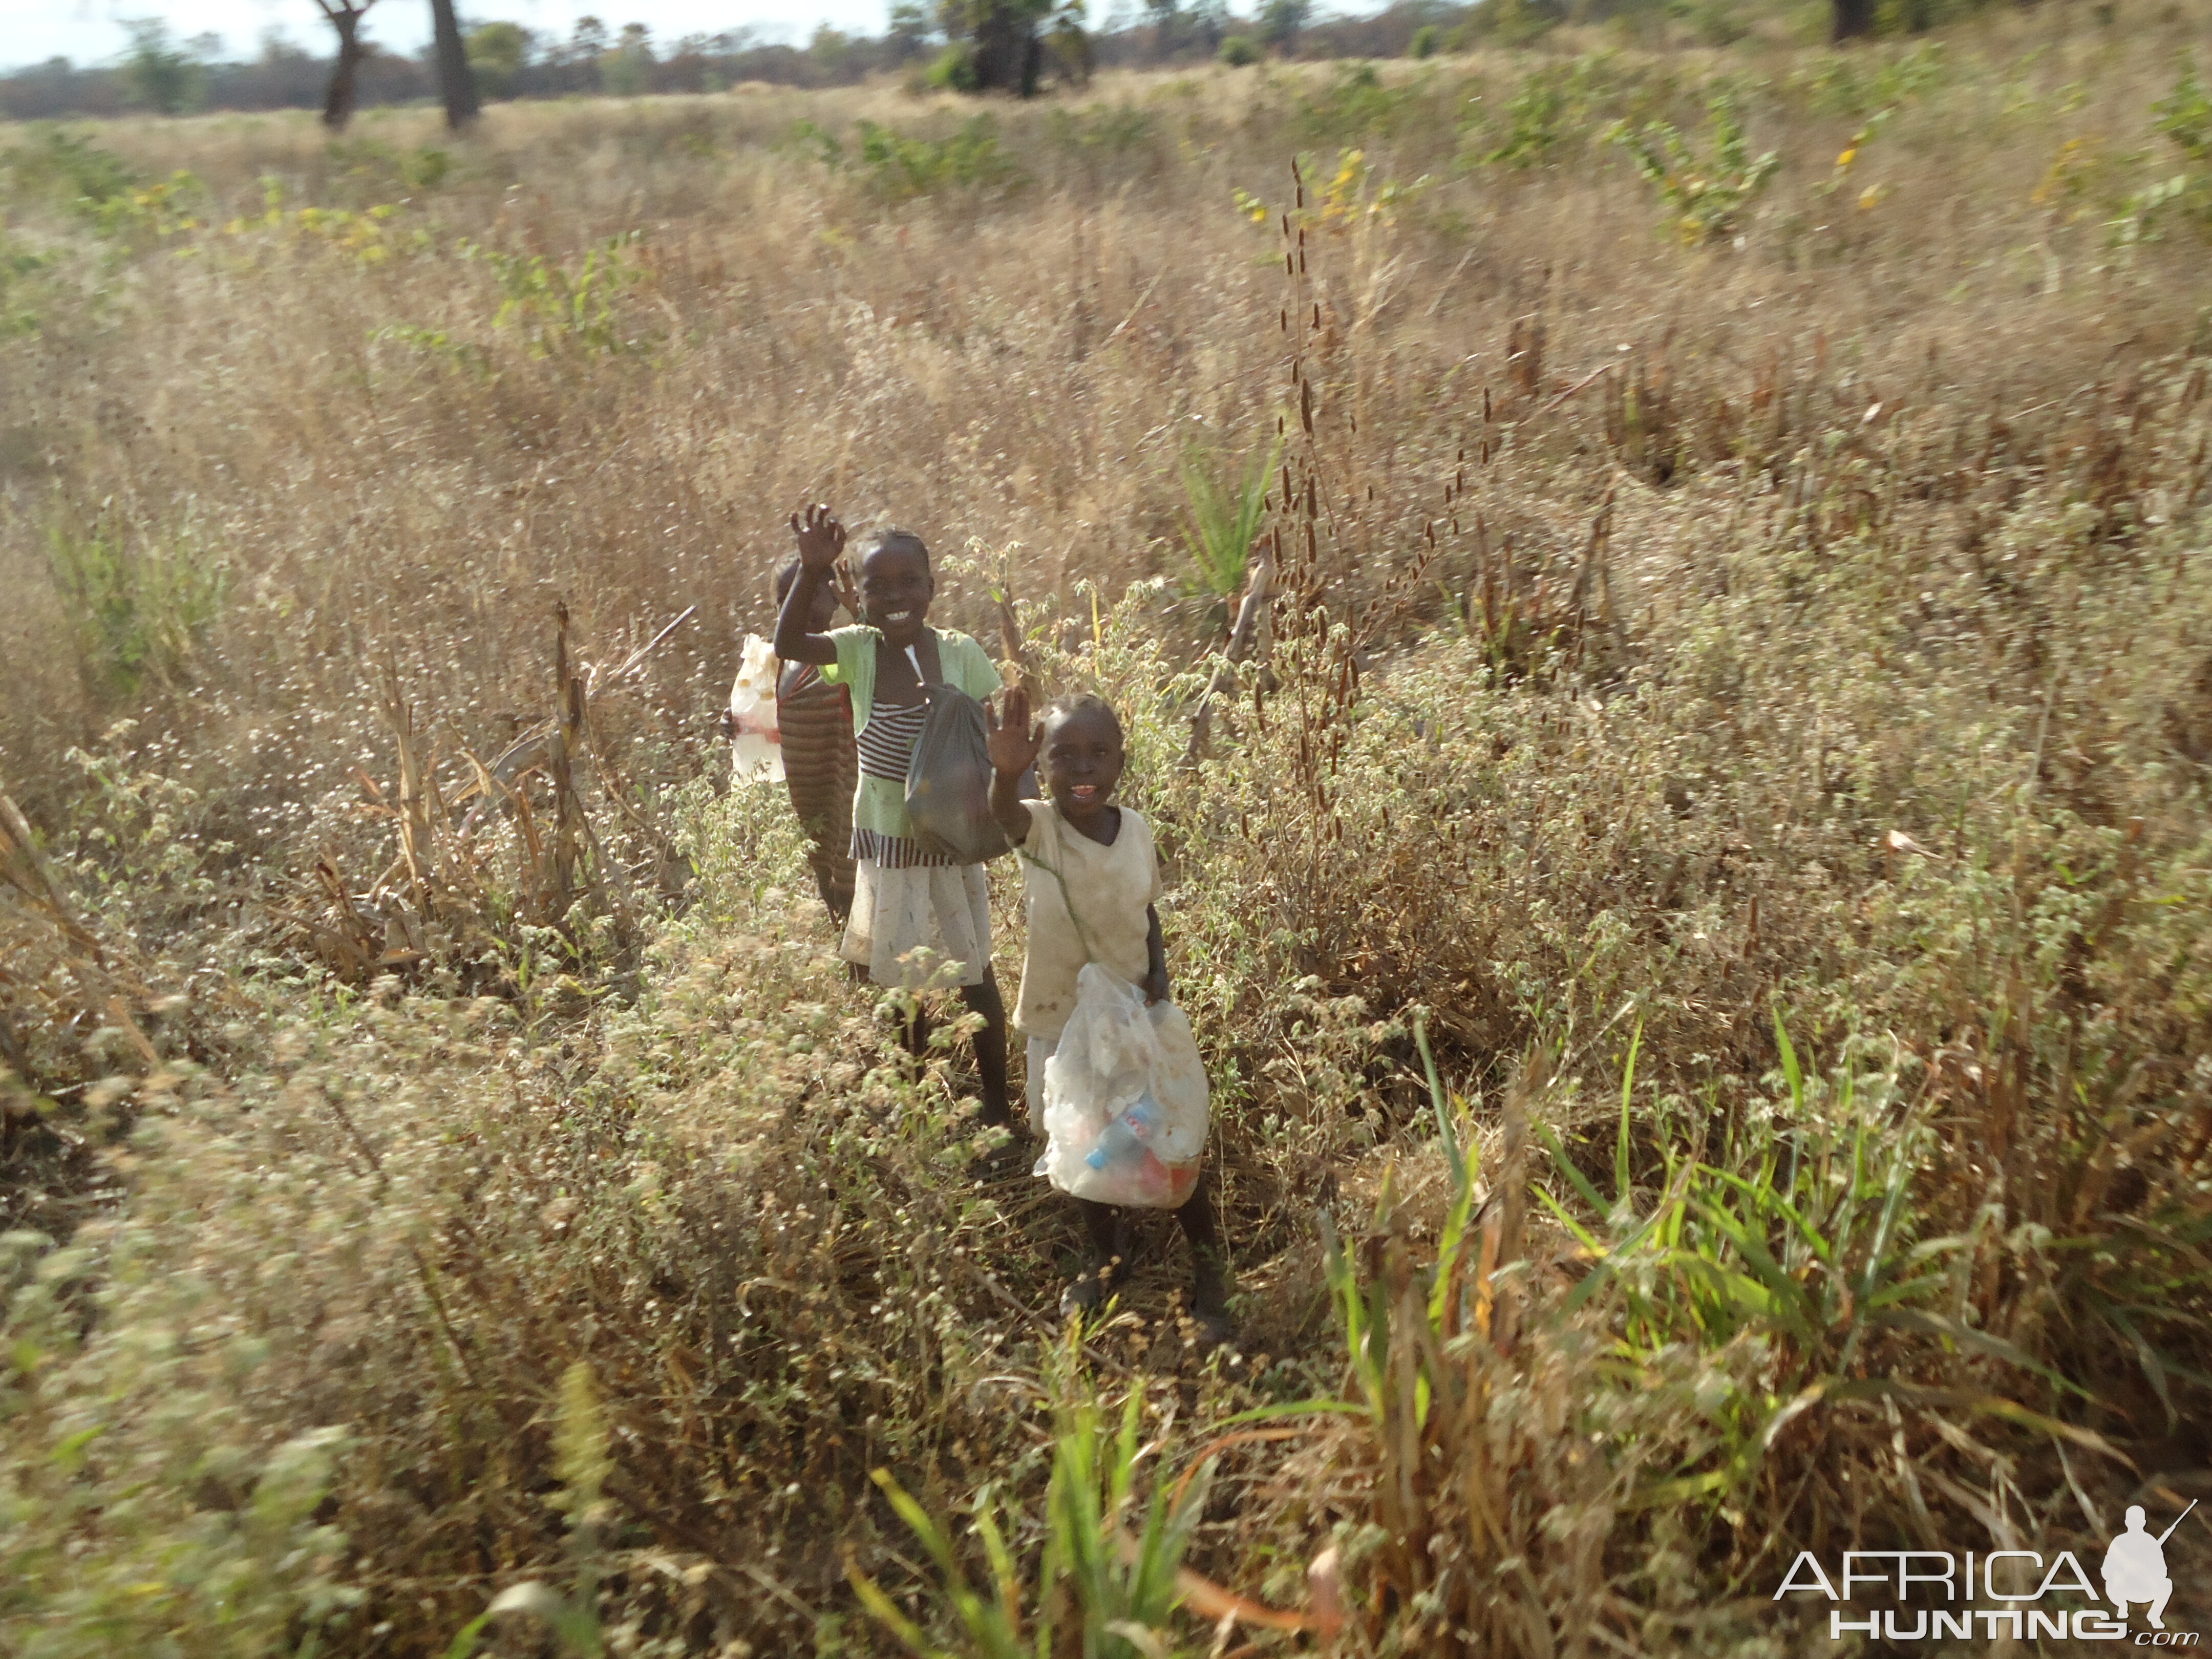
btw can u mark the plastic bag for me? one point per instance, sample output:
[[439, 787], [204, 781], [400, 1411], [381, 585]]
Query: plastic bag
[[755, 745], [948, 781], [1125, 1099]]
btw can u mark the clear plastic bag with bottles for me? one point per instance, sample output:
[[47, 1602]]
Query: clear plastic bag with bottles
[[1125, 1099]]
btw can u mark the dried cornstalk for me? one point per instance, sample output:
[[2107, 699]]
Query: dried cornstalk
[[569, 729], [22, 868]]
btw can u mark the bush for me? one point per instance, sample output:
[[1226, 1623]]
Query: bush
[[161, 78], [1705, 196], [2184, 118], [899, 167], [954, 69], [1425, 41], [139, 600], [1239, 49]]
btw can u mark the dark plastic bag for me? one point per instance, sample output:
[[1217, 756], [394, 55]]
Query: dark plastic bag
[[948, 781]]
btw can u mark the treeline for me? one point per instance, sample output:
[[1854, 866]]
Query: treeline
[[160, 74]]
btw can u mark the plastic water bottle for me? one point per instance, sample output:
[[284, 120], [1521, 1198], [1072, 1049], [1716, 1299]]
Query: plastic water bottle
[[1125, 1137]]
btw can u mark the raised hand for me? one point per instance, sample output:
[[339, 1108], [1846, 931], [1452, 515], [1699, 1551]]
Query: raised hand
[[821, 537], [848, 591], [1012, 741]]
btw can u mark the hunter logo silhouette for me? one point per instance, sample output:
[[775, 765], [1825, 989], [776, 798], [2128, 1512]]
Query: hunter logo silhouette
[[2135, 1567]]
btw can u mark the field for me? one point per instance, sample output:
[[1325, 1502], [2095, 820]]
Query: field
[[1697, 901]]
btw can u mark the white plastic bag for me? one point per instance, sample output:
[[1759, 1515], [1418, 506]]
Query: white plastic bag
[[1125, 1099], [755, 746]]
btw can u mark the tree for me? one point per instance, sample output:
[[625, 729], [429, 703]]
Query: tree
[[1166, 17], [1281, 20], [1853, 19], [909, 34], [497, 53], [160, 77], [1071, 46], [831, 49], [995, 43], [1209, 20], [455, 84], [345, 16], [587, 48], [627, 70]]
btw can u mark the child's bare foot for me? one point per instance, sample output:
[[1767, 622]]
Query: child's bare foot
[[1209, 1301], [1003, 1146], [1085, 1296], [1101, 1277], [1213, 1327]]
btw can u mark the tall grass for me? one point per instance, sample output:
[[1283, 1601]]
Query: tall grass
[[1694, 904]]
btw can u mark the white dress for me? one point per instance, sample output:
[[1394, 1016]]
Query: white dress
[[1086, 901]]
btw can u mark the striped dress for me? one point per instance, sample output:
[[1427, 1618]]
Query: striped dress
[[906, 900], [820, 768], [886, 750]]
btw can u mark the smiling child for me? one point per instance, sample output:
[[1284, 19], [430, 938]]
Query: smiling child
[[904, 898], [1092, 881]]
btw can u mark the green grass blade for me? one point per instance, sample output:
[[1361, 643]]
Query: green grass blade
[[1627, 1087], [1566, 1167], [1791, 1072], [1441, 1104]]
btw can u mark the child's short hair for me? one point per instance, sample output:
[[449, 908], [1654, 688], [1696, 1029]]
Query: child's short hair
[[1085, 703], [899, 538]]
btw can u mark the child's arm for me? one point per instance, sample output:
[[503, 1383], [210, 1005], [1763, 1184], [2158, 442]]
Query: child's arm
[[1013, 744], [1155, 987], [820, 539]]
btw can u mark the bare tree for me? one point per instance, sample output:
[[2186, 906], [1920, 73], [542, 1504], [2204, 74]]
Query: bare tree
[[345, 16], [457, 85]]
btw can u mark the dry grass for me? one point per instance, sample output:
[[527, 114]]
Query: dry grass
[[1664, 641]]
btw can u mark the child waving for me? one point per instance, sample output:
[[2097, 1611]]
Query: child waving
[[1092, 881], [904, 898]]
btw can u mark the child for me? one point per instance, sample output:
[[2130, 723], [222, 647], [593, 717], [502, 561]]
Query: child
[[1081, 854], [903, 898], [820, 766]]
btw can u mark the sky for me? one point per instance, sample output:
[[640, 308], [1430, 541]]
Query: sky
[[92, 31]]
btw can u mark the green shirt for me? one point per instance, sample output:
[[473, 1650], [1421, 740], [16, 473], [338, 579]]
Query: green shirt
[[879, 804]]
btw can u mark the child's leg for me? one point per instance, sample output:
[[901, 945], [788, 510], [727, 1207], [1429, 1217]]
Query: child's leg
[[1209, 1258], [836, 896], [913, 1033], [990, 1046], [1104, 1246]]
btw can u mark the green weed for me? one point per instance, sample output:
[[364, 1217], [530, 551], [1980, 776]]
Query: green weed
[[1538, 119], [1223, 517], [68, 165], [896, 167], [583, 1460], [2184, 118], [25, 289], [1706, 195], [1103, 129], [899, 168], [1090, 1594], [138, 600], [1859, 84], [1357, 106], [562, 311]]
